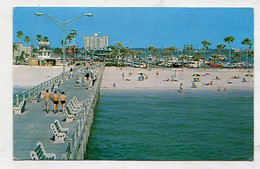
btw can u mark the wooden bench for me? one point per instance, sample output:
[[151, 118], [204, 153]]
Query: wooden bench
[[20, 108], [59, 133], [40, 154]]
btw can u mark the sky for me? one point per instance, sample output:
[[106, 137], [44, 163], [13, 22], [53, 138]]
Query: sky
[[138, 27]]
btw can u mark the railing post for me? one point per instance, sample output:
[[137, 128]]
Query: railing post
[[17, 100]]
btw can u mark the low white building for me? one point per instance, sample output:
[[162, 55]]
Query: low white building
[[44, 54]]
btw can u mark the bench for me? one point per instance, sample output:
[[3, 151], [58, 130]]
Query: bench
[[20, 108], [73, 106], [69, 117], [40, 154], [77, 101], [72, 110], [59, 133]]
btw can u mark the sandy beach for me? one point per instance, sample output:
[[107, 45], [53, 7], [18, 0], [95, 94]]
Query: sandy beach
[[184, 76], [29, 76]]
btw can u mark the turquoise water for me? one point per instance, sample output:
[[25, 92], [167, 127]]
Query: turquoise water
[[164, 125]]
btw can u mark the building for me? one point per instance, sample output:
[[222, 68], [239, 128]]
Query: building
[[23, 49], [97, 43], [44, 53]]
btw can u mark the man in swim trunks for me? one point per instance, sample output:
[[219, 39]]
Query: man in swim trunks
[[63, 100], [46, 99], [55, 99]]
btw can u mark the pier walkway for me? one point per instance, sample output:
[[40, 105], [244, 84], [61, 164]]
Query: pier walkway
[[33, 125]]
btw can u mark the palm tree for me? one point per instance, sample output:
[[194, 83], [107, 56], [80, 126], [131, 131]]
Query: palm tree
[[57, 51], [236, 56], [189, 49], [221, 48], [39, 38], [73, 33], [45, 39], [27, 39], [165, 55], [246, 42], [205, 44], [229, 39], [62, 42], [251, 52], [214, 59], [171, 50], [19, 35], [197, 56]]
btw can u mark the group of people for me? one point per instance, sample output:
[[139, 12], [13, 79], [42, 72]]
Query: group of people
[[47, 98], [84, 79]]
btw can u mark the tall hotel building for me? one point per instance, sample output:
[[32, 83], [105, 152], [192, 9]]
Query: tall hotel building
[[97, 43]]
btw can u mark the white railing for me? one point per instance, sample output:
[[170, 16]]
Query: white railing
[[77, 144], [28, 94]]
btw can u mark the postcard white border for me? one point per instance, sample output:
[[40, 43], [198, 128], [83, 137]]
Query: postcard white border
[[6, 154]]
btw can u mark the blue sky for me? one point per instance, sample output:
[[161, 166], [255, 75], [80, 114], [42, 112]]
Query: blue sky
[[141, 27]]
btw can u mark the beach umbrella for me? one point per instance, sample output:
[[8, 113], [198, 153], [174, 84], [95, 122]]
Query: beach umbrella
[[196, 74], [249, 75]]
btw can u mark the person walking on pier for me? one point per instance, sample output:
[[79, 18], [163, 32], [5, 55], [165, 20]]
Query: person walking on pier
[[71, 72], [55, 99], [46, 99], [94, 80], [63, 100]]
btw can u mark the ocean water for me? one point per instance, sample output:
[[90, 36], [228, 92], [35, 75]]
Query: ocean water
[[166, 125]]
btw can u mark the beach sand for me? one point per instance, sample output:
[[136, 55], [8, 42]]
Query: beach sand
[[114, 75], [29, 76]]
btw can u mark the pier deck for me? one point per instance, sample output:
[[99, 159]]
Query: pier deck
[[33, 125]]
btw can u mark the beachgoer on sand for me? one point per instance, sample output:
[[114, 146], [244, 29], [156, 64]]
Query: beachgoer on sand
[[55, 99], [123, 76], [114, 85], [46, 99], [218, 89], [181, 87], [63, 100], [211, 83], [157, 73]]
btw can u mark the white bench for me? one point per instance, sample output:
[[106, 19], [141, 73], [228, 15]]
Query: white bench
[[20, 108], [77, 101], [69, 117], [40, 154], [60, 134], [72, 107], [76, 104]]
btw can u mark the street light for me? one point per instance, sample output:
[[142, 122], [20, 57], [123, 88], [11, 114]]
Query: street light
[[63, 25]]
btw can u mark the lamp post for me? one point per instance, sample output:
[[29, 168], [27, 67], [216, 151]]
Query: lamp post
[[63, 25], [94, 38]]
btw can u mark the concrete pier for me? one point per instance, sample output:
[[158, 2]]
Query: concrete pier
[[33, 125]]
